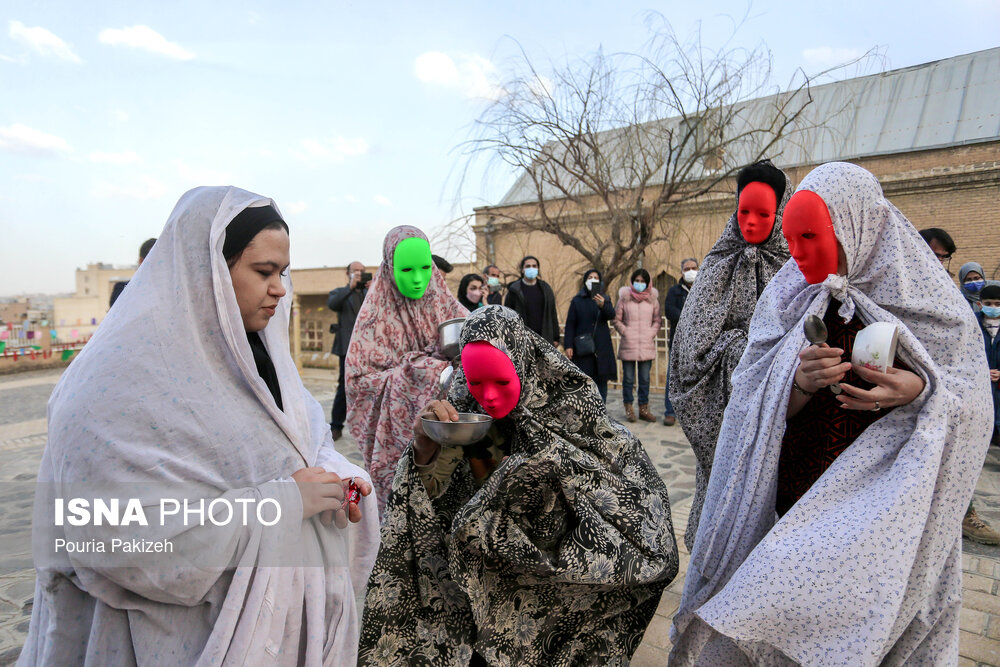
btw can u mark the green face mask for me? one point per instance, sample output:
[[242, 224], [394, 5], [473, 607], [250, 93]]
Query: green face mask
[[411, 267]]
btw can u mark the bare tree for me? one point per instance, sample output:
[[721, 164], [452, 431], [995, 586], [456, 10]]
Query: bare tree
[[610, 146]]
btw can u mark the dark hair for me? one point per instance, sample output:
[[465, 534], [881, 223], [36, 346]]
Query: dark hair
[[442, 264], [583, 280], [640, 273], [146, 246], [526, 258], [464, 285], [941, 236], [990, 292], [486, 269], [763, 172], [244, 227]]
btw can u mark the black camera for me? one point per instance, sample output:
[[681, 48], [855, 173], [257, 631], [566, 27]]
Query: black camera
[[365, 278]]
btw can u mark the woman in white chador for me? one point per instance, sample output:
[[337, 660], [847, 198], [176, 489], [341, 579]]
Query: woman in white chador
[[188, 389], [831, 532]]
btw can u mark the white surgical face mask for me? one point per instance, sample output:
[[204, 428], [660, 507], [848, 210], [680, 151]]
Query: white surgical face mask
[[639, 287], [591, 282], [690, 275]]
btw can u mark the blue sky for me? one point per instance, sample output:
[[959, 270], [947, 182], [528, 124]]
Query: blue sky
[[347, 114]]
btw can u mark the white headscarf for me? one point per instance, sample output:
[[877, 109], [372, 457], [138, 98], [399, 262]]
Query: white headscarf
[[865, 568], [167, 393]]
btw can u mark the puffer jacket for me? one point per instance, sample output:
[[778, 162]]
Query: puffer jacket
[[637, 322]]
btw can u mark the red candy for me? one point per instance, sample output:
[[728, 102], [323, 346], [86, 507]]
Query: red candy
[[353, 493]]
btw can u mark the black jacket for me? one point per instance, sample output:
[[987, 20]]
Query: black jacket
[[585, 317], [550, 320], [346, 302], [673, 303]]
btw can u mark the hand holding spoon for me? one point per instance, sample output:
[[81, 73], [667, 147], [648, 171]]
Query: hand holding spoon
[[816, 334]]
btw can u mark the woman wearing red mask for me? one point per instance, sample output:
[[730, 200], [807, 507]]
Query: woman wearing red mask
[[829, 534], [712, 331], [558, 556]]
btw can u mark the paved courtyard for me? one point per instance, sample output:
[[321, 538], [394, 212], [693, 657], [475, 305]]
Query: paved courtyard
[[22, 438]]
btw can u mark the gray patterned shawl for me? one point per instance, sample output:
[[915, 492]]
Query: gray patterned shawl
[[559, 558], [865, 569], [711, 336]]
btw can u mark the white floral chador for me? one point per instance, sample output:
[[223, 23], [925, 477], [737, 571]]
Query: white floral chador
[[865, 568], [559, 558]]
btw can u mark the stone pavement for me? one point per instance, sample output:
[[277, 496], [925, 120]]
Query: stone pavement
[[22, 438]]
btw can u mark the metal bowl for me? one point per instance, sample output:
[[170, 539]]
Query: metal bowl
[[468, 430], [448, 332]]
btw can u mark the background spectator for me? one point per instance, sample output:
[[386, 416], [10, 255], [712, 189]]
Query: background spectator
[[589, 314], [470, 291], [494, 282], [673, 303], [637, 319], [532, 298], [346, 302], [144, 249], [970, 281], [941, 243]]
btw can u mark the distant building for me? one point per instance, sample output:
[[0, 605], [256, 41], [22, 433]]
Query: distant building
[[85, 310], [930, 133]]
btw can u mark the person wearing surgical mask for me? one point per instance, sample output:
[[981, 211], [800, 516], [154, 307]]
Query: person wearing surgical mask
[[587, 340], [493, 285], [970, 281], [533, 299], [673, 303], [471, 293], [637, 320]]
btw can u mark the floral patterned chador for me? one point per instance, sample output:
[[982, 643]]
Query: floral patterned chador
[[559, 558]]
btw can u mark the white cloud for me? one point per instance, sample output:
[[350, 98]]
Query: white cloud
[[469, 73], [120, 115], [202, 175], [337, 149], [824, 57], [25, 140], [19, 60], [350, 199], [382, 200], [128, 157], [42, 41], [143, 188], [294, 207], [145, 38]]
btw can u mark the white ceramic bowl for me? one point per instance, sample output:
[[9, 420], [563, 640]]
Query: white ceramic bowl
[[875, 346]]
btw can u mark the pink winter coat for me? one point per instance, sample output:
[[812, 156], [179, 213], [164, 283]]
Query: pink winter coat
[[637, 322]]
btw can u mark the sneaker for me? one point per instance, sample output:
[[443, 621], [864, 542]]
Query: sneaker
[[978, 530], [337, 433], [669, 420]]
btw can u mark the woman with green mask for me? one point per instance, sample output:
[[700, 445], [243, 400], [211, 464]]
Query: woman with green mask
[[393, 363]]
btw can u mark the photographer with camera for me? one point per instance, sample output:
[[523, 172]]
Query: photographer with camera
[[346, 302], [587, 338]]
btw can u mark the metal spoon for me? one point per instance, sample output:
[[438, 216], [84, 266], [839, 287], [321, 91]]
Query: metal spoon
[[816, 334]]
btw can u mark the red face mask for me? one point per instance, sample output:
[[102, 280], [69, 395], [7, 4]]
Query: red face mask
[[491, 378], [808, 229], [756, 211]]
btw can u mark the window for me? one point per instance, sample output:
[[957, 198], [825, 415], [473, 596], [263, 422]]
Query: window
[[312, 335]]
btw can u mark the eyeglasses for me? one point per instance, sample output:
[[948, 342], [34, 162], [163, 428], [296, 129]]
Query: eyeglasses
[[945, 259]]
